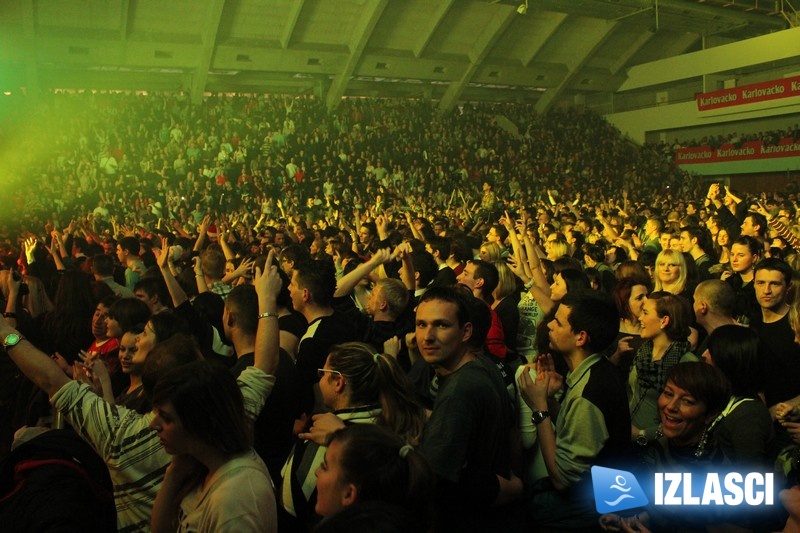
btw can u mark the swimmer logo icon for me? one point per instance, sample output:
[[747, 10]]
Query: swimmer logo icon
[[616, 490]]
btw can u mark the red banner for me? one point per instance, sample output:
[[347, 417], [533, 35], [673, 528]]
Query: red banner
[[749, 94], [743, 152]]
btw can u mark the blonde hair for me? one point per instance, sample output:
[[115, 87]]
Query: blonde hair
[[507, 281], [493, 251], [671, 256]]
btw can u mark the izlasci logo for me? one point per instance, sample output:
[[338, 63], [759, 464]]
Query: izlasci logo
[[616, 490]]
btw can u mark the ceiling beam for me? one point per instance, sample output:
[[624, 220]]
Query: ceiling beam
[[373, 9], [634, 47], [543, 34], [291, 22], [209, 42], [492, 31], [591, 39], [435, 18]]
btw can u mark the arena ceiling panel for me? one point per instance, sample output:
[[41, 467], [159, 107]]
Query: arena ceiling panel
[[539, 51]]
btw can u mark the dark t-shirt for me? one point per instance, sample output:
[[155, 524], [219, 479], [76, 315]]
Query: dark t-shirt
[[272, 431], [781, 359]]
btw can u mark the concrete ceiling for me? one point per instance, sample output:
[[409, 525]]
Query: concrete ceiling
[[446, 50]]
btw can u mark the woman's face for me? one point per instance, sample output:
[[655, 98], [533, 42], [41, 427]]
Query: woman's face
[[669, 271], [637, 299], [683, 418], [169, 429], [652, 325], [558, 289], [741, 258], [723, 239], [145, 341], [229, 268], [483, 253], [333, 494], [127, 353]]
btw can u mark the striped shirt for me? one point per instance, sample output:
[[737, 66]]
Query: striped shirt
[[133, 452]]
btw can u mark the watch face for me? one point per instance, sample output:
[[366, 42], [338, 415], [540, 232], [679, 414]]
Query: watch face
[[11, 339]]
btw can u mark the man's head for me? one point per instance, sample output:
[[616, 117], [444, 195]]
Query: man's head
[[772, 280], [439, 247], [103, 265], [292, 255], [152, 291], [586, 321], [692, 239], [388, 299], [754, 225], [425, 268], [313, 284], [442, 327], [653, 226], [241, 311], [713, 297], [481, 278], [212, 262], [127, 247], [497, 234]]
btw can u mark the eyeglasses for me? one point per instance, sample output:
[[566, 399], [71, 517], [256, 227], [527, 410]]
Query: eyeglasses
[[321, 372]]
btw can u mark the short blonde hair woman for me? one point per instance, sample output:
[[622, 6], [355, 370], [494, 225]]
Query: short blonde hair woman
[[670, 272]]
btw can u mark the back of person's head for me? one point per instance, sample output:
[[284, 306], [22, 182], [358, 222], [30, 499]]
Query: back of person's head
[[319, 278], [382, 467], [575, 279], [461, 249], [633, 269], [425, 266], [647, 258], [208, 403], [734, 350], [177, 351], [592, 312], [373, 378], [778, 265], [718, 295], [212, 262], [395, 293], [506, 281], [74, 293], [679, 311], [480, 317], [564, 262], [706, 383], [103, 265], [242, 306], [166, 325], [129, 312], [130, 245]]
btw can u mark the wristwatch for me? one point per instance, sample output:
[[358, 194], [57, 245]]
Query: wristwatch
[[11, 340], [537, 417], [641, 438]]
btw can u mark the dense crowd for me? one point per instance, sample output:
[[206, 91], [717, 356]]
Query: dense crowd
[[253, 314]]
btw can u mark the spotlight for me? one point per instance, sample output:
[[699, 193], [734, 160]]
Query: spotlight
[[523, 8]]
